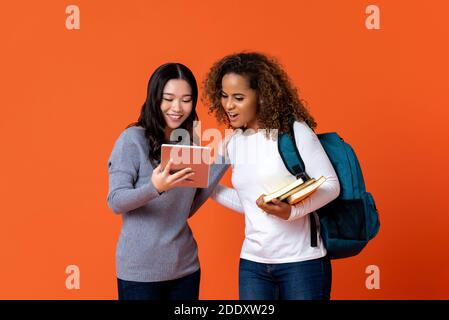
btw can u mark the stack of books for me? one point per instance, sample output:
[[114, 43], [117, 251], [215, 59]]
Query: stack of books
[[296, 191]]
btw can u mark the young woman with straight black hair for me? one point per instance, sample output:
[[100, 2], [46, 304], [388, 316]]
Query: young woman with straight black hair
[[157, 255]]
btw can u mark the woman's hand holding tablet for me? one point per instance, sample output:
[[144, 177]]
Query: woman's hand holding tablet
[[163, 180]]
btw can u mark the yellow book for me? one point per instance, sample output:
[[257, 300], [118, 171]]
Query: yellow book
[[305, 192], [295, 184]]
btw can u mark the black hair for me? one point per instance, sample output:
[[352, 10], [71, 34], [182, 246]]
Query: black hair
[[151, 117]]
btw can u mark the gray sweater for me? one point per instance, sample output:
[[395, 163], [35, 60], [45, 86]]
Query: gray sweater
[[155, 242]]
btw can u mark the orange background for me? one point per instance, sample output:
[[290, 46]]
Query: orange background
[[67, 95]]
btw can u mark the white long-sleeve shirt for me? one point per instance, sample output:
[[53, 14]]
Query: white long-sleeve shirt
[[257, 168]]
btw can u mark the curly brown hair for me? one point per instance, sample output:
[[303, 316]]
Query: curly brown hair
[[278, 98]]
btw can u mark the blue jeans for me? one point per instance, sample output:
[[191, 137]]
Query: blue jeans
[[305, 280], [185, 288]]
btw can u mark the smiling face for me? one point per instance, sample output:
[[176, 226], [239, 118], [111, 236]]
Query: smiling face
[[176, 103], [239, 101]]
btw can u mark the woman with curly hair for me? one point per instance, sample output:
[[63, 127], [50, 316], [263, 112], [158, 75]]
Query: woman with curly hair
[[252, 93]]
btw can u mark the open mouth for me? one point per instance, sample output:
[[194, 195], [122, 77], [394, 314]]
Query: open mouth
[[233, 116]]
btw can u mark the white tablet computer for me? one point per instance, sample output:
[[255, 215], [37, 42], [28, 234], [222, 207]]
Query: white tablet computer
[[196, 157]]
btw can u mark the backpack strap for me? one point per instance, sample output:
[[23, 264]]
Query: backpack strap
[[294, 164]]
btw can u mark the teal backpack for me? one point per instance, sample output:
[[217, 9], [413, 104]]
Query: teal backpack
[[350, 221]]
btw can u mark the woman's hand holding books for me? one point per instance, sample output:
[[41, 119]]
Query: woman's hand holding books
[[275, 207]]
